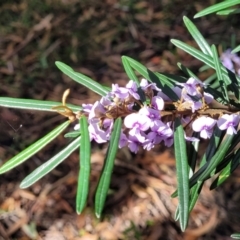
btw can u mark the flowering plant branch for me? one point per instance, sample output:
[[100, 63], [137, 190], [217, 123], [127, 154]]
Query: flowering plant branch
[[157, 109]]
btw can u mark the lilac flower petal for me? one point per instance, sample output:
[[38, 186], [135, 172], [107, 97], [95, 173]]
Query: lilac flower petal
[[228, 121], [136, 120], [157, 103], [204, 125]]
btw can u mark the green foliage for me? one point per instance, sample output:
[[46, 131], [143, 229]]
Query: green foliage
[[217, 8], [182, 167], [84, 172], [104, 182]]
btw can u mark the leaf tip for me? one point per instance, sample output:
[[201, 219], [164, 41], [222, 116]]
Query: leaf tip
[[98, 215]]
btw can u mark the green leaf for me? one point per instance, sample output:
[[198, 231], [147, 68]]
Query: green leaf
[[32, 149], [85, 166], [31, 104], [220, 73], [137, 66], [237, 49], [72, 134], [48, 166], [202, 43], [199, 55], [206, 170], [210, 151], [195, 192], [235, 235], [187, 71], [166, 85], [161, 80], [182, 173], [227, 171], [82, 79], [229, 11], [129, 70], [217, 7], [104, 182]]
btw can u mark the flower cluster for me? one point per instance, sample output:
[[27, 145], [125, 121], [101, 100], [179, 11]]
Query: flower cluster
[[149, 120]]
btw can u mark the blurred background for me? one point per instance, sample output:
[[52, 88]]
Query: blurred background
[[91, 36]]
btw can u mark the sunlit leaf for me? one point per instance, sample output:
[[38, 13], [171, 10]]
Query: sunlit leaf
[[229, 11], [227, 171], [72, 134], [128, 70], [220, 75], [206, 170], [235, 235], [201, 56], [182, 167], [202, 43], [237, 49], [31, 104], [32, 149], [85, 166], [48, 166], [104, 182], [82, 79], [217, 7]]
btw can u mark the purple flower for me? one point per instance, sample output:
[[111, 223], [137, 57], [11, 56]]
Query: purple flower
[[97, 111], [162, 131], [228, 122], [119, 92], [86, 107], [132, 89], [151, 114], [134, 143], [189, 103], [204, 125], [191, 86], [144, 84], [123, 140], [135, 120], [96, 133], [157, 103], [230, 60]]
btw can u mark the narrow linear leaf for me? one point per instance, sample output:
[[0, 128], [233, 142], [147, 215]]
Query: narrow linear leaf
[[229, 11], [210, 151], [161, 80], [194, 194], [199, 55], [187, 71], [227, 171], [32, 149], [182, 173], [235, 235], [137, 66], [82, 79], [217, 7], [85, 166], [48, 166], [209, 167], [237, 49], [219, 72], [202, 43], [72, 134], [129, 70], [104, 182], [31, 104]]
